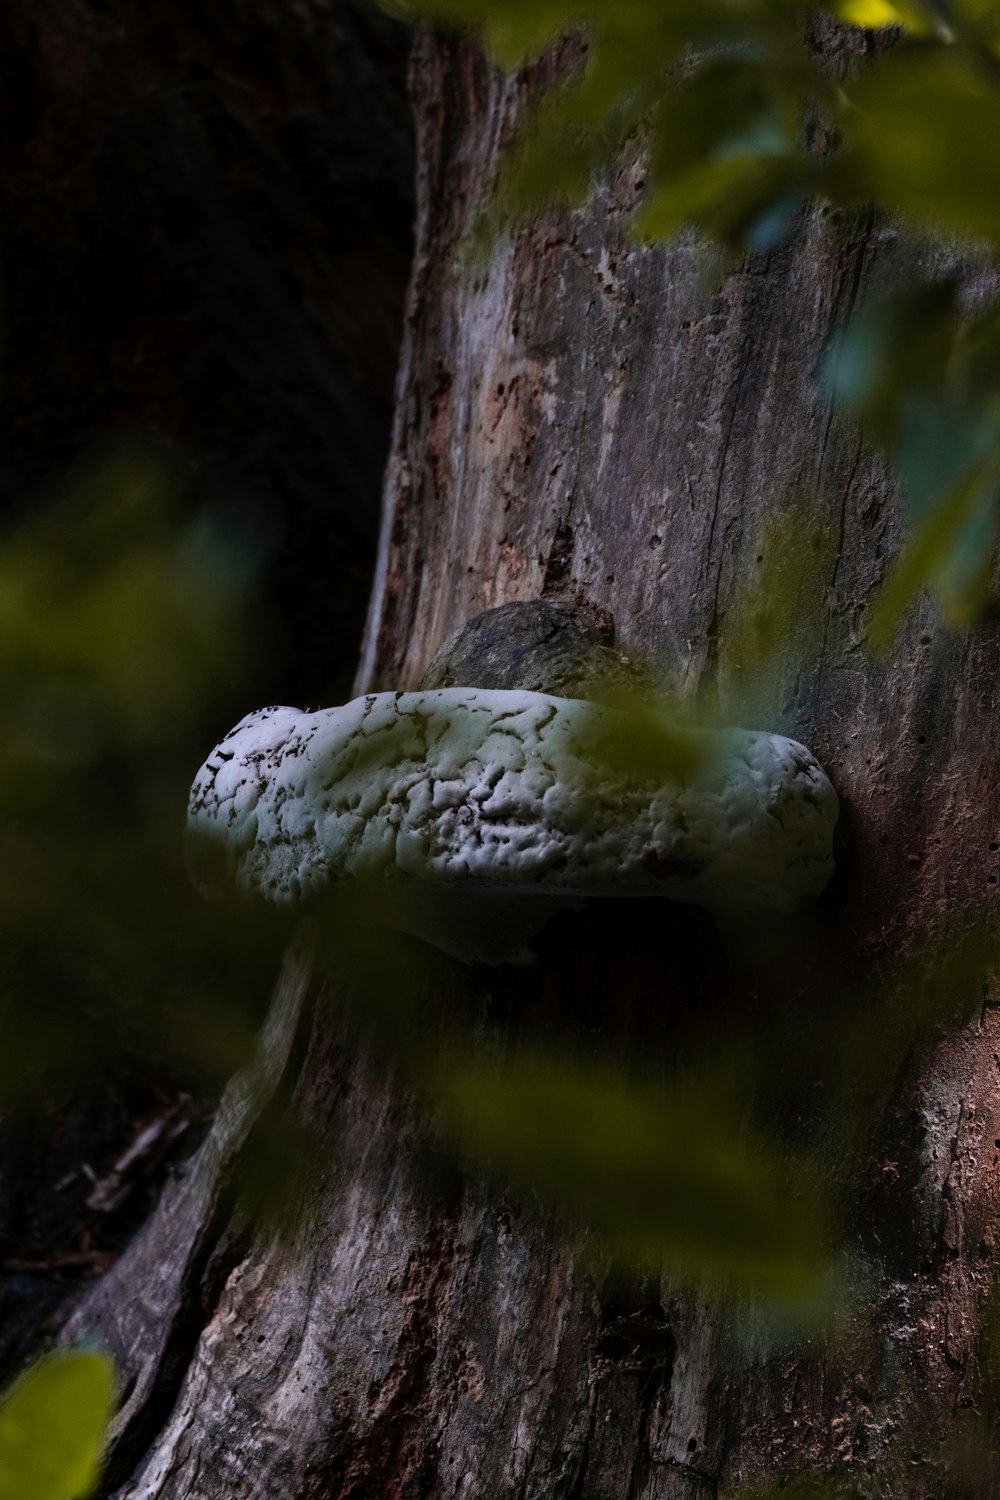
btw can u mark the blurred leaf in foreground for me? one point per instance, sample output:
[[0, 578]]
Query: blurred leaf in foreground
[[715, 89], [52, 1428], [645, 741], [727, 153], [874, 14], [921, 129], [952, 550], [662, 1173], [125, 630], [934, 988], [923, 377], [802, 1486], [777, 607]]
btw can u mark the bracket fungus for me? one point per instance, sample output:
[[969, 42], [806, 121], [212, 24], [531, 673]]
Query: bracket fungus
[[483, 810]]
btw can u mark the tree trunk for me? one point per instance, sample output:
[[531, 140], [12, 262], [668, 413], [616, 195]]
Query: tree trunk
[[588, 420]]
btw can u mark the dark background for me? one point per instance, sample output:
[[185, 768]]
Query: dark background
[[205, 235]]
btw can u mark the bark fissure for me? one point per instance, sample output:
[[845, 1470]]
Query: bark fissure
[[708, 678], [576, 1491]]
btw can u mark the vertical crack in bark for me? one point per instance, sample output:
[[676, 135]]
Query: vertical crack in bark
[[709, 672], [215, 1256], [854, 281], [948, 1204], [558, 566], [653, 1382], [586, 1447], [831, 600], [395, 1456]]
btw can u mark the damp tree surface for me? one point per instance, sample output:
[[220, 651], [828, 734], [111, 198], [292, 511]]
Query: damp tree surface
[[620, 428]]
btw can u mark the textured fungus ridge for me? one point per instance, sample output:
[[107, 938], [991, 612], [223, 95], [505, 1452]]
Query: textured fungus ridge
[[478, 803]]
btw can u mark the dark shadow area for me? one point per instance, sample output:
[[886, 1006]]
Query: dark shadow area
[[205, 238]]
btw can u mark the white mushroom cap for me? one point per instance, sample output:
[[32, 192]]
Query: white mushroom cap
[[462, 792]]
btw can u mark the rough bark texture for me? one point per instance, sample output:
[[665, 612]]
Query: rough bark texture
[[582, 418]]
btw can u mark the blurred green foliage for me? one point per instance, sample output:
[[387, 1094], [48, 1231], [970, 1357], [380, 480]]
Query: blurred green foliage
[[52, 1428], [126, 628], [678, 1157], [126, 622], [646, 739], [802, 1486], [125, 631], [666, 1165], [924, 377], [777, 611], [663, 1172], [738, 121]]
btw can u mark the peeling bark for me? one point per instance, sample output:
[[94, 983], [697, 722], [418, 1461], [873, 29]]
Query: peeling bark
[[583, 419]]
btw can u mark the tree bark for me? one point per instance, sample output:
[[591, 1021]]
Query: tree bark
[[585, 419]]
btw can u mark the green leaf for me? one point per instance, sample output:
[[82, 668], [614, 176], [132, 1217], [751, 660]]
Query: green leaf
[[643, 739], [777, 610], [901, 343], [924, 379], [874, 14], [922, 132], [745, 199], [662, 1172], [726, 131], [515, 40], [726, 156], [935, 555], [806, 1485], [52, 1428]]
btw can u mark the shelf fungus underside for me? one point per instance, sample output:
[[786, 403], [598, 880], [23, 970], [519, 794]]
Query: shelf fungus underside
[[478, 813]]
